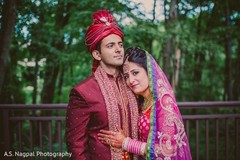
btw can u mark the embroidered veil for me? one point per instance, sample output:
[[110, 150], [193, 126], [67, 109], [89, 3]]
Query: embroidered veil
[[167, 139]]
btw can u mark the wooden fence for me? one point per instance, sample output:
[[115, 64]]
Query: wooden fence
[[212, 129]]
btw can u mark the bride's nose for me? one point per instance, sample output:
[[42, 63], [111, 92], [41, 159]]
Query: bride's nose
[[131, 79]]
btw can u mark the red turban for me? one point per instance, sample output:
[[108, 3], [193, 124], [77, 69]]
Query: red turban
[[103, 25]]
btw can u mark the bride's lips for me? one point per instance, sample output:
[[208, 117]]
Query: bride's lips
[[133, 86]]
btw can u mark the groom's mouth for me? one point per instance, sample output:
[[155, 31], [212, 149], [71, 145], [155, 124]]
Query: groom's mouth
[[118, 57]]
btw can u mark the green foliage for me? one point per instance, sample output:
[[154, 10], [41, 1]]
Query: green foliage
[[52, 33], [211, 67]]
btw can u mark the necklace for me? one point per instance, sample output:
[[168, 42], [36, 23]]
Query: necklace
[[148, 102]]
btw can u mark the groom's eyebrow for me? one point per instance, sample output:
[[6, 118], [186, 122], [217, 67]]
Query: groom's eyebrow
[[110, 43]]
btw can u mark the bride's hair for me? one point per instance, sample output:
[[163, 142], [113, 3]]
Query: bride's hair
[[136, 55]]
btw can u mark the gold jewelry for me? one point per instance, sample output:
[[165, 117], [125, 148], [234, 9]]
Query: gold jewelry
[[107, 140], [148, 102]]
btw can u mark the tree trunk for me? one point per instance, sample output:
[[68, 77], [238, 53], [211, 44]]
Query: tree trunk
[[170, 45], [51, 74], [154, 10], [60, 84], [236, 84], [228, 61], [35, 83], [198, 57], [6, 32], [167, 58], [176, 69], [50, 79]]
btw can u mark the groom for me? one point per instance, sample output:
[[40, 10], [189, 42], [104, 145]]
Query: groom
[[103, 100]]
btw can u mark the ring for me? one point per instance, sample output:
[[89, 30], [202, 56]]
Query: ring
[[112, 144], [107, 140]]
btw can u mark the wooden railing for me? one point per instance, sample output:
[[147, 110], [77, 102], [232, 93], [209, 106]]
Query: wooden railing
[[212, 129]]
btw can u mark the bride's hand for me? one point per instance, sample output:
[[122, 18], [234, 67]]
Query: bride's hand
[[114, 139]]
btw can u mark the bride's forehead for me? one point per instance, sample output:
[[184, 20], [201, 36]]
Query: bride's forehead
[[129, 66], [126, 67]]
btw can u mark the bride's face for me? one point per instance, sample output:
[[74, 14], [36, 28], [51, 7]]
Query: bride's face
[[136, 78]]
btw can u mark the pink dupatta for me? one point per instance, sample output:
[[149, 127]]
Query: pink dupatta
[[167, 139]]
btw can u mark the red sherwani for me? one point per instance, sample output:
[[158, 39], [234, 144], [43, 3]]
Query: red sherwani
[[86, 116]]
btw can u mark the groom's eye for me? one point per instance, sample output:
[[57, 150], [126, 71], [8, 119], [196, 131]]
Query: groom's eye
[[121, 44], [109, 46]]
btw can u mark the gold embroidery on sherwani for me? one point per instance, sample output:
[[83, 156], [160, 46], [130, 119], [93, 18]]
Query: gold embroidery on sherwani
[[123, 104], [113, 100]]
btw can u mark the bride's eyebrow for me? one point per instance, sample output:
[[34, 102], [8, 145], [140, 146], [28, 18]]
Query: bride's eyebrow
[[134, 70]]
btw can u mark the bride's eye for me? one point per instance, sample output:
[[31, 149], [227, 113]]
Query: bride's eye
[[125, 77], [135, 73]]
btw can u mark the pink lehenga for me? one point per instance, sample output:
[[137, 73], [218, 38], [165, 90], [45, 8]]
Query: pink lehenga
[[161, 125]]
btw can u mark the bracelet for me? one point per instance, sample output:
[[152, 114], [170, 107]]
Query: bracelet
[[124, 143], [143, 149], [134, 146]]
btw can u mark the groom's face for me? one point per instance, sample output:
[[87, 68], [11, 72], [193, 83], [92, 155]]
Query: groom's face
[[111, 51]]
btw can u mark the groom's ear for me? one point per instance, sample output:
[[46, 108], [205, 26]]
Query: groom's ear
[[96, 55]]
